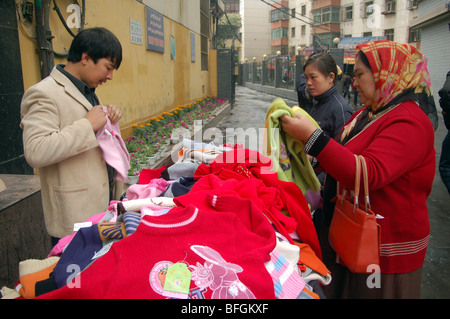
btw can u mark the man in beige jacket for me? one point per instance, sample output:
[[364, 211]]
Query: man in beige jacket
[[60, 116]]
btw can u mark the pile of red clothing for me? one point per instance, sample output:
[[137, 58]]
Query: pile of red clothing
[[231, 229]]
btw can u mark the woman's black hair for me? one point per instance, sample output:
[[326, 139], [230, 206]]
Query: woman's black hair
[[363, 59], [98, 43], [325, 64]]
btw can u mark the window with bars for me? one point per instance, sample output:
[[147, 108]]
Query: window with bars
[[348, 13], [414, 35], [389, 34], [368, 9], [231, 6], [390, 6], [279, 33], [278, 14], [326, 15]]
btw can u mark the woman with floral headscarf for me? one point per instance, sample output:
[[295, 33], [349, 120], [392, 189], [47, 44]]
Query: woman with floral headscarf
[[394, 132]]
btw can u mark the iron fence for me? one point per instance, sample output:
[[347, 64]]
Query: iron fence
[[279, 72]]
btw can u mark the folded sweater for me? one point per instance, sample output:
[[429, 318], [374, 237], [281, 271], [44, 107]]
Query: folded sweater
[[225, 257]]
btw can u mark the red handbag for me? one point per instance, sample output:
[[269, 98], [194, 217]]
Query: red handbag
[[354, 233]]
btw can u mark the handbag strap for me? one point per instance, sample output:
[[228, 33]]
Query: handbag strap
[[360, 165], [357, 180], [366, 182]]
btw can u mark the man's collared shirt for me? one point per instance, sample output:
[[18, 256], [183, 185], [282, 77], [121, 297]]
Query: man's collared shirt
[[89, 93]]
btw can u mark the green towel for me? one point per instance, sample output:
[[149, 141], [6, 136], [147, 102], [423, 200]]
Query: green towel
[[286, 152]]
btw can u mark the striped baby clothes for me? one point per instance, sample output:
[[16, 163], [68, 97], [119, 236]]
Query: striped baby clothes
[[131, 220], [287, 281]]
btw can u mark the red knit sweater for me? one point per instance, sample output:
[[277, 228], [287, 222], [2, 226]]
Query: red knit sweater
[[248, 173], [399, 151], [225, 252]]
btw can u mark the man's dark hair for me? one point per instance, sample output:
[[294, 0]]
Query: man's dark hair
[[98, 43]]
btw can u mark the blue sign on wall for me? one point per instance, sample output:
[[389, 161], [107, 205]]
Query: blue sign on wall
[[155, 30], [192, 47]]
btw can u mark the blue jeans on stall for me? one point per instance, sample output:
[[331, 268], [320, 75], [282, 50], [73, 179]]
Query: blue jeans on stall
[[444, 162]]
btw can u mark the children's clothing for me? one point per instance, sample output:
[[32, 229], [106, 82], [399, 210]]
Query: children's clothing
[[113, 147], [225, 258], [32, 271], [248, 173], [286, 153], [147, 174], [152, 189]]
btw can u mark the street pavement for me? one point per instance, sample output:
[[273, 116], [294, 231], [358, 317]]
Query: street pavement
[[244, 125]]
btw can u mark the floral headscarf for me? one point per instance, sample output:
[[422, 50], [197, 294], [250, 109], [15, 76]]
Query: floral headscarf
[[401, 74]]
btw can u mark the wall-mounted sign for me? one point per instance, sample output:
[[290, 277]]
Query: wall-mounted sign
[[192, 47], [172, 47], [155, 30], [135, 31]]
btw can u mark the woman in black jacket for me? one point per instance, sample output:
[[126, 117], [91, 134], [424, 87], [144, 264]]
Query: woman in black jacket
[[444, 161], [330, 109]]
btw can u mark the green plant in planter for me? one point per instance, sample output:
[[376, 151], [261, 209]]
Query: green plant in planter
[[133, 144], [141, 158], [160, 128], [151, 139], [149, 150], [139, 132], [135, 167], [152, 126]]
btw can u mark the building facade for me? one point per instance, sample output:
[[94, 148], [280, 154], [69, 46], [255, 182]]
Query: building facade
[[388, 18], [279, 28], [301, 25], [255, 30], [168, 57], [433, 26], [326, 20]]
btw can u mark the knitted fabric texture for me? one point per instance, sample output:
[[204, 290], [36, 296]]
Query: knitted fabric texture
[[249, 173], [147, 174], [219, 243], [114, 150], [286, 151], [108, 231], [179, 169], [287, 281], [32, 271], [152, 189], [131, 221], [78, 254]]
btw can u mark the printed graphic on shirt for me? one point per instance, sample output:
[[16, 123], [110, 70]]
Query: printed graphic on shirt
[[158, 276], [219, 275], [285, 162], [215, 274]]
